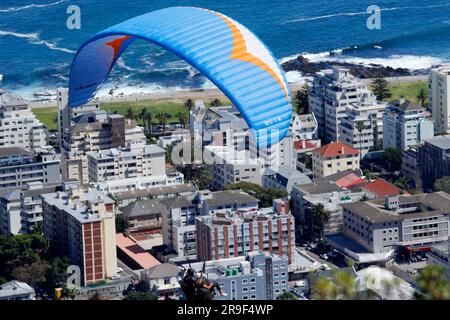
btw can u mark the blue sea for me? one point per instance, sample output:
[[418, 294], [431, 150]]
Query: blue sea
[[36, 48]]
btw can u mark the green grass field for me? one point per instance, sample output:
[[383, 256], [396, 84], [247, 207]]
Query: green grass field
[[48, 116]]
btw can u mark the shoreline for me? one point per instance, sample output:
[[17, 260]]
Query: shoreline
[[179, 96]]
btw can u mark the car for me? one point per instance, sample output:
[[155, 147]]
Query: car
[[119, 270], [412, 271], [324, 256], [116, 277], [325, 267]]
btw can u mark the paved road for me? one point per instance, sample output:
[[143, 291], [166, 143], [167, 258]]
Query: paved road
[[317, 257]]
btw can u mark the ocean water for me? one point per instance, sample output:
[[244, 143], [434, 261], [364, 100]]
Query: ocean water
[[36, 48]]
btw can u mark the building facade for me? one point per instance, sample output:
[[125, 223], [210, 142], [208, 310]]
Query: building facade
[[434, 160], [406, 125], [81, 225], [235, 233], [18, 125], [334, 157], [439, 98]]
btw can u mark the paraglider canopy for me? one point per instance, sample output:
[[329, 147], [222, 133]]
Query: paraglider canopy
[[223, 50]]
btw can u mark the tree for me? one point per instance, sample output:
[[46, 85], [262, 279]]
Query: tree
[[120, 223], [442, 184], [302, 99], [264, 195], [422, 97], [432, 284], [33, 274], [215, 103], [381, 88], [341, 286], [287, 296], [393, 157], [148, 122], [130, 113], [189, 104], [96, 296], [320, 217], [162, 118], [140, 295], [182, 117], [360, 127], [143, 114], [364, 197]]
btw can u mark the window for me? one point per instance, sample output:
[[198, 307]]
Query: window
[[244, 281]]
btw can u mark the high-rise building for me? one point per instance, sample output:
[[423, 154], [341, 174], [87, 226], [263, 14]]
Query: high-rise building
[[18, 125], [19, 167], [81, 225], [234, 233], [332, 93], [405, 125], [433, 160], [439, 98]]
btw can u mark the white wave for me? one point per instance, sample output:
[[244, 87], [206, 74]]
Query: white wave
[[121, 63], [34, 39], [349, 14], [378, 47], [30, 6], [1, 77], [410, 62], [127, 90], [296, 77]]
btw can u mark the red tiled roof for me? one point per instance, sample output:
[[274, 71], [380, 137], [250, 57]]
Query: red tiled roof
[[349, 181], [304, 144], [381, 188], [135, 252], [335, 149]]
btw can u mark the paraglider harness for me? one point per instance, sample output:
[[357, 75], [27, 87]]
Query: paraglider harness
[[197, 287]]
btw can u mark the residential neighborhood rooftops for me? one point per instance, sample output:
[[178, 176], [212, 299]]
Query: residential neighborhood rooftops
[[134, 251], [304, 145], [221, 198], [14, 289], [12, 151], [163, 270], [159, 191], [335, 149], [142, 208], [442, 142], [381, 188]]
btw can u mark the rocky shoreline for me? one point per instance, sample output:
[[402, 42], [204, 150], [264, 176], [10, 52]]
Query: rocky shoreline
[[368, 71]]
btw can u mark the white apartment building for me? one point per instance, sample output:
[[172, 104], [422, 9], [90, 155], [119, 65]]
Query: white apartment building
[[406, 125], [439, 98], [230, 166], [332, 93], [371, 119], [136, 166], [304, 127], [18, 125]]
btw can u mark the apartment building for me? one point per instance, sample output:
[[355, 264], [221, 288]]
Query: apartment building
[[333, 91], [434, 160], [439, 98], [18, 167], [81, 225], [236, 232], [439, 255], [255, 276], [92, 130], [304, 127], [230, 166], [18, 125], [362, 128], [283, 177], [411, 221], [178, 216], [21, 209], [333, 158], [405, 125]]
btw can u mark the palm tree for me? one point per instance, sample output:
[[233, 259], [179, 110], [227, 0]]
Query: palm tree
[[130, 113], [182, 118], [422, 98], [148, 121], [364, 197], [162, 118], [143, 114], [360, 127], [215, 103], [189, 104], [320, 216]]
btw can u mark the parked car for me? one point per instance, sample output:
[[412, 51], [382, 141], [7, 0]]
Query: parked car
[[116, 277], [119, 270], [324, 256]]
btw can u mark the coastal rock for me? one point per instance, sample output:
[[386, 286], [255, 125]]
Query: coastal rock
[[308, 68]]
